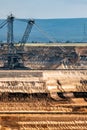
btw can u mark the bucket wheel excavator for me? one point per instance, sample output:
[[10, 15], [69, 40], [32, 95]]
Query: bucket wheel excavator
[[13, 58]]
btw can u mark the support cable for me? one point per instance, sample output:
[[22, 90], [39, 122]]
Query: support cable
[[48, 37], [3, 24]]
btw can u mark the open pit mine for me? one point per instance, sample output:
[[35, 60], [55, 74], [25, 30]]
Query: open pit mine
[[42, 86]]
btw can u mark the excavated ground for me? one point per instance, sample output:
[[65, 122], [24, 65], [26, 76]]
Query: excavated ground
[[21, 111], [40, 111], [50, 56]]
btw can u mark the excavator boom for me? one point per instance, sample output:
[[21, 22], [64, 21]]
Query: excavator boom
[[27, 31]]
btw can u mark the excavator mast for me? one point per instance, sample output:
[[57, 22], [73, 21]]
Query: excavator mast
[[10, 20], [27, 31]]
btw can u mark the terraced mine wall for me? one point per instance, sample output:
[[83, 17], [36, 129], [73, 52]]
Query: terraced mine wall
[[40, 81], [47, 91], [51, 56]]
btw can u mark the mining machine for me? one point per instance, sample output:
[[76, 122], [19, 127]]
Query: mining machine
[[13, 58]]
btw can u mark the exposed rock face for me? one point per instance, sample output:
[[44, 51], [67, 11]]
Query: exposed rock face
[[43, 81], [45, 91], [52, 57]]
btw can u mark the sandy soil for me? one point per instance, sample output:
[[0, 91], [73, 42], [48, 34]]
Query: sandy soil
[[44, 112]]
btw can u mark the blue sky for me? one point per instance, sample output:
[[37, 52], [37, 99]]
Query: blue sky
[[44, 8]]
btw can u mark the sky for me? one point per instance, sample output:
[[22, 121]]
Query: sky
[[44, 9]]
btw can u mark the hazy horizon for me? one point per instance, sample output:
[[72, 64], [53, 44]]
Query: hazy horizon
[[47, 9]]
